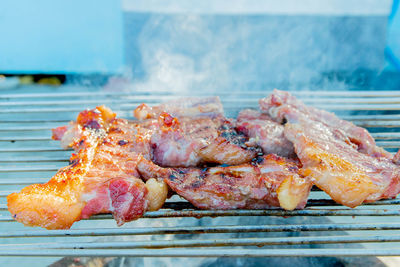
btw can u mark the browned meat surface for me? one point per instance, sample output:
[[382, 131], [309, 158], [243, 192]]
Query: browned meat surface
[[177, 142], [342, 159], [268, 181], [114, 169], [204, 137], [264, 132], [194, 131], [282, 106], [189, 141], [102, 178]]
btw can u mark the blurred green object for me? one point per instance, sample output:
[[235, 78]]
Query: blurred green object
[[50, 81], [28, 79]]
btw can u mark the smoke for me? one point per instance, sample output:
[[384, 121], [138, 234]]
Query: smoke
[[191, 52], [182, 54]]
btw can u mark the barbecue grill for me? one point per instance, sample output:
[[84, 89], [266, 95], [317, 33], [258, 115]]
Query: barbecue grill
[[28, 155]]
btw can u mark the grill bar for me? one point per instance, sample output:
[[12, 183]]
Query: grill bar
[[346, 117], [210, 242], [28, 149], [215, 252], [141, 99], [25, 138], [313, 202], [34, 159], [200, 230], [22, 181], [126, 109], [269, 212], [377, 136], [30, 169], [156, 94]]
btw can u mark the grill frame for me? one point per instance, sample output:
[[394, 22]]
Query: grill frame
[[28, 117]]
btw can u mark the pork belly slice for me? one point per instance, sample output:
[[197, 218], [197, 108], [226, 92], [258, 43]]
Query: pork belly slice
[[269, 181], [342, 159], [102, 178], [182, 107], [187, 141], [264, 132]]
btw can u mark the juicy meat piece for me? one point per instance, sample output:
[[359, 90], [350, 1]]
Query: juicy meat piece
[[56, 204], [184, 107], [229, 147], [267, 181], [170, 141], [282, 106], [178, 144], [188, 142], [348, 176], [193, 131], [341, 158], [102, 178], [264, 132]]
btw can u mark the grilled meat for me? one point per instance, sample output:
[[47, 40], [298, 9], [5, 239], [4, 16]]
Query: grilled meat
[[199, 134], [269, 181], [193, 131], [342, 159], [102, 178], [282, 107], [264, 132], [112, 170], [188, 142]]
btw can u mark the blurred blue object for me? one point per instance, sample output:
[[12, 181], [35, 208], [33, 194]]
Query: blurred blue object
[[392, 51], [72, 36]]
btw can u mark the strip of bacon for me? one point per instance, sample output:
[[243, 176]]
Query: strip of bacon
[[102, 178]]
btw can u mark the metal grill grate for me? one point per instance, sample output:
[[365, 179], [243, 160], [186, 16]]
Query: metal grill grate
[[28, 155]]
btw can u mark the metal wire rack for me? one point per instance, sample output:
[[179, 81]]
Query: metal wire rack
[[28, 155]]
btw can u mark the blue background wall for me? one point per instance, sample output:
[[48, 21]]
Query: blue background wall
[[89, 36], [393, 47], [74, 36]]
